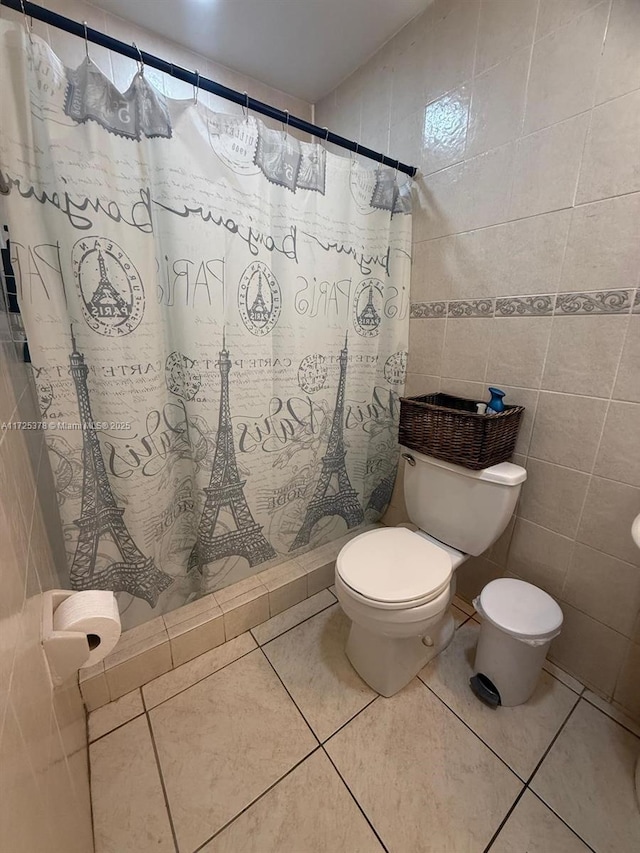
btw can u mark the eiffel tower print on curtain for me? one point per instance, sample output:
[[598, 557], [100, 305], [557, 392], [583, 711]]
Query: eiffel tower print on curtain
[[226, 490], [101, 521], [334, 494]]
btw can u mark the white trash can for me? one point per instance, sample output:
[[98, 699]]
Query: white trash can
[[518, 623]]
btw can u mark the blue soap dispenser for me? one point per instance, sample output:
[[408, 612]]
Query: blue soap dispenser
[[495, 404]]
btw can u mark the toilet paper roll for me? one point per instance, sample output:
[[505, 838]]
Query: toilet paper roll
[[94, 613]]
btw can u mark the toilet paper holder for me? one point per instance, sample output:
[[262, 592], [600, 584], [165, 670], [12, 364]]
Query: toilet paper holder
[[65, 651]]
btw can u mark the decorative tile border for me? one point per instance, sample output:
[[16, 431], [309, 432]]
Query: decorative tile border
[[525, 306], [600, 302], [471, 308], [540, 305], [424, 310]]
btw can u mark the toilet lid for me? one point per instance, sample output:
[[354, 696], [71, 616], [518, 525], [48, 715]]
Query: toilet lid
[[394, 565]]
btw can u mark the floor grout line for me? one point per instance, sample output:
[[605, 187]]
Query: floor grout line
[[553, 740], [286, 631], [355, 799], [510, 811], [608, 716], [467, 726], [286, 689], [560, 818], [259, 797], [162, 783]]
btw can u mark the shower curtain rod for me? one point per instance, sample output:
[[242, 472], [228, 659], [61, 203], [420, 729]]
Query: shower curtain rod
[[96, 37]]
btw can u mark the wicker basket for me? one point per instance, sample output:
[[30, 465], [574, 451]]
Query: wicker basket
[[450, 428]]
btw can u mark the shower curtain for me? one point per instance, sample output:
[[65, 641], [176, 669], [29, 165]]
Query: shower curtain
[[217, 318]]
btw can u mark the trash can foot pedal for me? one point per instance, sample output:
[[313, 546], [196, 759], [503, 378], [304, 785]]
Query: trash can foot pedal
[[485, 690]]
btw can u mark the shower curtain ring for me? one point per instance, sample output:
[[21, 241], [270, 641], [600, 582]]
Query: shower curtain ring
[[27, 25], [140, 60], [245, 106], [86, 41], [285, 127], [196, 88]]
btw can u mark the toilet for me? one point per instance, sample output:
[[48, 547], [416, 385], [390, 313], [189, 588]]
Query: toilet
[[396, 584]]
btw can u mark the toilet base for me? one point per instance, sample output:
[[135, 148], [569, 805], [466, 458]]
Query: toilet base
[[387, 664]]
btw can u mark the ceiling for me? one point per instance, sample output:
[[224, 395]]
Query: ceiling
[[303, 47]]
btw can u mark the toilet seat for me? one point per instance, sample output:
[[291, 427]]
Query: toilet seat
[[393, 568]]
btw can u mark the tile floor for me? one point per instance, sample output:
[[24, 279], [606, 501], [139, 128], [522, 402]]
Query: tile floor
[[272, 744]]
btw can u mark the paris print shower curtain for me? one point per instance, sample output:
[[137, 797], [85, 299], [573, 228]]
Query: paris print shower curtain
[[217, 317]]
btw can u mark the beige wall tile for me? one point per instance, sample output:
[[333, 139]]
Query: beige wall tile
[[426, 339], [539, 556], [497, 105], [466, 348], [249, 584], [571, 55], [207, 605], [609, 511], [245, 611], [444, 130], [153, 659], [320, 577], [405, 137], [474, 574], [439, 209], [619, 453], [407, 84], [481, 263], [627, 385], [589, 649], [518, 349], [464, 388], [546, 168], [592, 573], [567, 429], [95, 692], [611, 162], [287, 585], [503, 29], [619, 68], [583, 354], [603, 249], [418, 383], [534, 249], [449, 49], [553, 496], [627, 692], [527, 397], [195, 636], [432, 269], [553, 15], [486, 188]]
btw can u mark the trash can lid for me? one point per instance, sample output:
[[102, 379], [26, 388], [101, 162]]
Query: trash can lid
[[520, 609]]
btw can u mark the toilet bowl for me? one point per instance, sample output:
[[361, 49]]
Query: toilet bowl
[[396, 584]]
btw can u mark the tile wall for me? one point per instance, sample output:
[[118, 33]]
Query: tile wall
[[43, 746], [44, 780], [524, 119]]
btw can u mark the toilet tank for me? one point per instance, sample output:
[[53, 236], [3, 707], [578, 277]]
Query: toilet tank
[[465, 509]]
